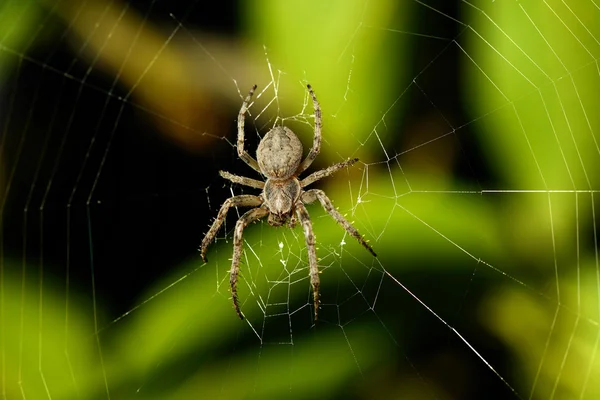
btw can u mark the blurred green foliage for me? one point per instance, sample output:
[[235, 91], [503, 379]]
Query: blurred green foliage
[[17, 20]]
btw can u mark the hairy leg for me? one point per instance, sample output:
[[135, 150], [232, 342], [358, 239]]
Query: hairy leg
[[245, 200], [243, 154], [242, 180], [314, 194], [312, 254], [244, 220], [316, 147], [315, 176]]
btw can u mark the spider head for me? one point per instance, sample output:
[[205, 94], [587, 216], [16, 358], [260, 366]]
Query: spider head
[[279, 153], [277, 220]]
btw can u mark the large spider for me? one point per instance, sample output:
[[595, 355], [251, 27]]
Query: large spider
[[279, 157]]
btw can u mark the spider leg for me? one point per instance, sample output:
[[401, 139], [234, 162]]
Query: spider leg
[[314, 194], [312, 253], [315, 176], [248, 217], [316, 147], [242, 180], [293, 221], [244, 200], [243, 154]]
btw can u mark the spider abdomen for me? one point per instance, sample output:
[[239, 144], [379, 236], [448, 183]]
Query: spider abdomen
[[279, 153]]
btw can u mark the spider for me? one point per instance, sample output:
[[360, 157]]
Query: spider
[[279, 159]]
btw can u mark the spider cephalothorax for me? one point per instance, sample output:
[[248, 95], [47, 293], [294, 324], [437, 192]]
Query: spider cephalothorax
[[280, 197], [279, 156]]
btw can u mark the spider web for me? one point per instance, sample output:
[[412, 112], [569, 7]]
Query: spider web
[[475, 127]]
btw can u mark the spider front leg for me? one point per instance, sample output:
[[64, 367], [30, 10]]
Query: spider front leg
[[316, 147], [243, 154], [309, 235], [314, 194], [244, 220], [244, 200]]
